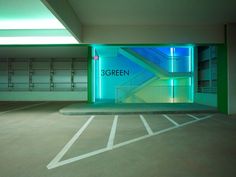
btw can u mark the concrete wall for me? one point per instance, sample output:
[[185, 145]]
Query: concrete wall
[[43, 96], [153, 34], [20, 53], [231, 44], [43, 51], [206, 99], [209, 99]]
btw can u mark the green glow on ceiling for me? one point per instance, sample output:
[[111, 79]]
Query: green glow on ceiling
[[24, 10], [36, 32], [38, 40], [31, 24]]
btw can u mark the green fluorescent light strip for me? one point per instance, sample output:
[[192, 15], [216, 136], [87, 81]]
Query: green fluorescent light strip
[[172, 50], [31, 24], [100, 77], [38, 40], [190, 59], [94, 73]]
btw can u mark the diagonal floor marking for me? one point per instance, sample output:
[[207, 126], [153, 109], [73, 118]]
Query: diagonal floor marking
[[112, 133], [171, 120], [74, 159], [158, 132], [208, 116], [99, 151], [146, 125], [190, 115], [70, 143]]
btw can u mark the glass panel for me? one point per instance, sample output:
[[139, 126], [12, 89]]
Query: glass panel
[[143, 74]]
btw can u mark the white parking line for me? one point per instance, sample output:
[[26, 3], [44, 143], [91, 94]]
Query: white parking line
[[146, 125], [23, 107], [167, 117], [208, 116], [74, 159], [190, 115], [159, 132], [70, 143], [112, 133], [57, 163]]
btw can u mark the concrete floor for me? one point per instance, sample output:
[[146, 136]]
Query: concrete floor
[[197, 146]]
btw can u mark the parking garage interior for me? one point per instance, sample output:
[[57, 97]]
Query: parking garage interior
[[117, 88]]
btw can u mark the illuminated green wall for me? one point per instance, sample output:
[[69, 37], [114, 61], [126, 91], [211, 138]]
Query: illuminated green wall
[[143, 74], [222, 87]]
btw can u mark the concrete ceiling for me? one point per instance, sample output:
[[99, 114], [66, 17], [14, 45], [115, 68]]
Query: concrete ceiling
[[80, 16], [154, 12]]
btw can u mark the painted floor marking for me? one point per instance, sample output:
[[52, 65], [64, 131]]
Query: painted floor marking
[[205, 117], [112, 133], [190, 115], [70, 143], [158, 132], [23, 107], [171, 120], [146, 125], [74, 159], [57, 163]]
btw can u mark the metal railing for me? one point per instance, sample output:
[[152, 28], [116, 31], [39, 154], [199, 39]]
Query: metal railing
[[154, 94], [137, 81], [43, 86]]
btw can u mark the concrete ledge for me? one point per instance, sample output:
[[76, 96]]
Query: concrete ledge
[[162, 108]]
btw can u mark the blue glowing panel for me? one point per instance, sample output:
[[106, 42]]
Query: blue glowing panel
[[154, 56], [182, 59]]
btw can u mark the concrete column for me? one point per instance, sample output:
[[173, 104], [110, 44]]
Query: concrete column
[[231, 52]]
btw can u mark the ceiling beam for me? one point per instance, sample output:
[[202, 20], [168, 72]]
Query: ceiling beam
[[63, 11], [153, 34]]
